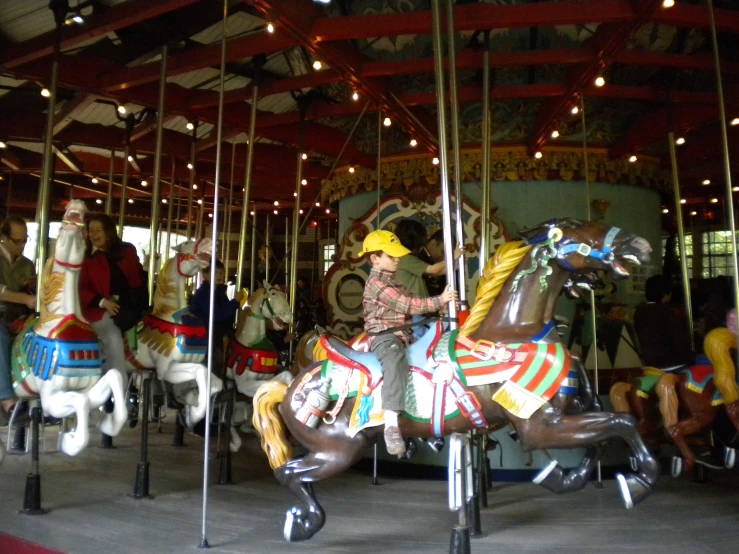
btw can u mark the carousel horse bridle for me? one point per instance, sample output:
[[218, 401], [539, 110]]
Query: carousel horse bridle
[[566, 246], [265, 300]]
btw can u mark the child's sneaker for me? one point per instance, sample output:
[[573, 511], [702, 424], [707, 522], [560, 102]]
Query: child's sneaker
[[394, 441]]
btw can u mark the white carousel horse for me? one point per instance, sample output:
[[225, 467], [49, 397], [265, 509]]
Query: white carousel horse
[[251, 359], [173, 340], [57, 356]]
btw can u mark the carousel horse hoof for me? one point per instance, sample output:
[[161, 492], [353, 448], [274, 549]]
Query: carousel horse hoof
[[633, 489], [548, 478], [410, 449], [436, 444], [297, 528], [677, 466], [729, 457], [71, 444]]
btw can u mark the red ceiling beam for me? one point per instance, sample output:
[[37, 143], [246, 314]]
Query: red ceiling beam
[[474, 17], [699, 62], [607, 40], [236, 49], [696, 17], [118, 17]]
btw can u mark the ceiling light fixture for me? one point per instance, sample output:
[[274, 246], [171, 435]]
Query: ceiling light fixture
[[94, 180], [122, 109], [351, 170], [555, 134], [130, 200], [270, 28], [317, 65], [45, 92], [3, 144], [387, 122], [665, 211], [683, 201], [575, 110], [304, 156], [99, 201], [680, 141], [189, 166], [304, 182], [632, 159], [706, 181], [714, 200], [538, 155], [414, 142], [190, 125], [668, 3], [600, 81], [435, 161], [355, 95]]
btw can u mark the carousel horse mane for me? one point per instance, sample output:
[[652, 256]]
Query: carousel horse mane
[[718, 345], [495, 273], [53, 288], [165, 288]]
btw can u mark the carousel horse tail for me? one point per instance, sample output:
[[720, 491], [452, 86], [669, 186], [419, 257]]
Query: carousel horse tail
[[269, 423], [668, 401], [618, 394], [717, 346]]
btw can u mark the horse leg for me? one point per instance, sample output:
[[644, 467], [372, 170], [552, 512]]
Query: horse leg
[[181, 372], [110, 384], [554, 478], [696, 423], [547, 428], [59, 403]]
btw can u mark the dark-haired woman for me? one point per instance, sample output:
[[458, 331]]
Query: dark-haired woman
[[112, 287]]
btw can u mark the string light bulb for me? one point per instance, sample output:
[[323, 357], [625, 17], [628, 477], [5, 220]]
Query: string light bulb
[[189, 166], [45, 92], [122, 109], [714, 200], [665, 211], [351, 169], [668, 3], [190, 125], [99, 201], [277, 202], [435, 161], [194, 186], [304, 182], [355, 96], [144, 183], [130, 200], [164, 200], [683, 201], [275, 212], [555, 134], [317, 65], [130, 158], [693, 213], [600, 81], [538, 155], [200, 201], [328, 211], [735, 189], [680, 141], [295, 194], [300, 212], [706, 181], [251, 212], [270, 28], [94, 180], [414, 142], [735, 121], [3, 144], [575, 110], [304, 156], [632, 159], [210, 215], [387, 122]]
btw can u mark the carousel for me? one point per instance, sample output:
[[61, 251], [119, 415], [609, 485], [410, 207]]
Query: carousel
[[194, 366]]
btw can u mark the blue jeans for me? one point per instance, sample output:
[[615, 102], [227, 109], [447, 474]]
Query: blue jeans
[[6, 381]]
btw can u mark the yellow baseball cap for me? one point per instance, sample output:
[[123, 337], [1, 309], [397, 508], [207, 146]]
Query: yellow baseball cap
[[383, 241]]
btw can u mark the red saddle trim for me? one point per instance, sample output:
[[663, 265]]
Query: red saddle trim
[[71, 328], [334, 356], [263, 361], [176, 329]]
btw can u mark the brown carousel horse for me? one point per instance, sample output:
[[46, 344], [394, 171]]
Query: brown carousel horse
[[689, 400], [505, 365]]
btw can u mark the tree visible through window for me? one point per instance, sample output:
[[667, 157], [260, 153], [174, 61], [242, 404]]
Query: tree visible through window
[[329, 251], [717, 249]]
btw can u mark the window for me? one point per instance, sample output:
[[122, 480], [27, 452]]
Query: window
[[328, 251], [688, 252], [717, 248]]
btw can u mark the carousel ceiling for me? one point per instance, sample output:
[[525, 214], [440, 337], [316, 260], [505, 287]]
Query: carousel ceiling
[[330, 60]]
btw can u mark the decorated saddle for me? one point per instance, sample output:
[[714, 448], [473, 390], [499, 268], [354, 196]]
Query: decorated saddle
[[259, 358], [187, 333], [443, 367], [71, 350]]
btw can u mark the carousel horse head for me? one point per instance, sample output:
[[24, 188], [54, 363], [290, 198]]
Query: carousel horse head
[[69, 251], [193, 257], [270, 302], [582, 247]]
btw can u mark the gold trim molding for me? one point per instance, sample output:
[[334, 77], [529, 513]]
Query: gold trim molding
[[401, 173]]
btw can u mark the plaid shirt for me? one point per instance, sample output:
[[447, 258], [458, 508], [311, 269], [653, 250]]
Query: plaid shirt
[[387, 304]]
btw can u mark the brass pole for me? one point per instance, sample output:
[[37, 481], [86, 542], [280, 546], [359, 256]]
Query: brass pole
[[485, 170], [109, 198], [247, 190]]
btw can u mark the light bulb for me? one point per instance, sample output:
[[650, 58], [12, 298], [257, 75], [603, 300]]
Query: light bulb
[[693, 213], [714, 200], [45, 92], [164, 200], [735, 189], [122, 109], [538, 155], [304, 156], [190, 125], [435, 161], [130, 158], [295, 194], [668, 3], [680, 141], [665, 211], [189, 166], [316, 65], [251, 213], [414, 142], [735, 121], [318, 204], [328, 211], [94, 180], [194, 186], [300, 212], [387, 122], [3, 144], [99, 201], [683, 201], [277, 203], [575, 110], [200, 201], [706, 181], [632, 159], [275, 212], [144, 183], [355, 95], [351, 170], [555, 134], [130, 200], [270, 28], [600, 81], [210, 215], [304, 182]]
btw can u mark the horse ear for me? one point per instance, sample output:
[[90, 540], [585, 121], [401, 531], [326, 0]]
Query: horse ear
[[265, 284]]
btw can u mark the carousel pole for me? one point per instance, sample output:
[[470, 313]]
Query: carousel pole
[[485, 177], [211, 323], [124, 177], [253, 267], [458, 202], [156, 186], [593, 318], [681, 238], [302, 106], [201, 215], [267, 247], [177, 215], [59, 8], [727, 158], [247, 191], [443, 156], [379, 163], [287, 262], [192, 181], [229, 208], [170, 207], [109, 198]]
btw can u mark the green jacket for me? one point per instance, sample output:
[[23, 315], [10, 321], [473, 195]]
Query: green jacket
[[13, 276]]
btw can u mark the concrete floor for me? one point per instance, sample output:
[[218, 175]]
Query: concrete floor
[[90, 512]]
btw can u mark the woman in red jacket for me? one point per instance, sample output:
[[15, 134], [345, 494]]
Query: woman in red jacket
[[113, 291]]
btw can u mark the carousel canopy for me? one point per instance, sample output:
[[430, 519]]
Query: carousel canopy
[[641, 67]]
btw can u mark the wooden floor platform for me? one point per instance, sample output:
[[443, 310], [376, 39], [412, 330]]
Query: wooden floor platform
[[90, 512]]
